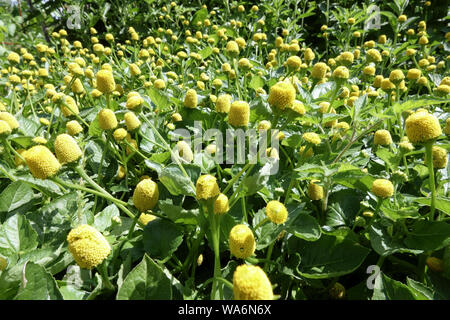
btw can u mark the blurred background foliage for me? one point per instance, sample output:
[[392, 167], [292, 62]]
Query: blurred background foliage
[[34, 20]]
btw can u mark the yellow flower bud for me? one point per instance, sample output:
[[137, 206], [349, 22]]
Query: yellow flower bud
[[422, 127], [67, 149], [145, 195], [276, 211], [131, 121], [239, 114], [382, 188], [251, 283], [382, 137], [241, 241], [221, 204], [145, 218], [42, 162], [190, 101], [107, 119], [315, 192], [281, 94], [105, 81], [206, 187], [88, 246], [223, 103], [9, 119]]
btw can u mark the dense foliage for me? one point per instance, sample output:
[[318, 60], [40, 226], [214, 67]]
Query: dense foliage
[[112, 186]]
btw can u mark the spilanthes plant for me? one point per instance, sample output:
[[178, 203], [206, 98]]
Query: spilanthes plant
[[236, 151]]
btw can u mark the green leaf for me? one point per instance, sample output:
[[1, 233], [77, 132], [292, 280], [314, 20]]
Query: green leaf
[[205, 52], [161, 238], [53, 221], [413, 104], [199, 16], [15, 195], [160, 100], [267, 233], [400, 213], [177, 214], [27, 127], [38, 284], [323, 89], [176, 182], [420, 289], [388, 157], [256, 82], [384, 244], [103, 220], [388, 289], [330, 256], [146, 281], [17, 235], [301, 224], [442, 204], [94, 128], [343, 208], [429, 236]]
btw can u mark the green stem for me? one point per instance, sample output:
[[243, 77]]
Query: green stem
[[269, 254], [429, 160], [104, 274], [215, 234]]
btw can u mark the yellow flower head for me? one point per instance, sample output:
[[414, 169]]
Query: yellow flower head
[[206, 187], [88, 246], [107, 119], [145, 195], [346, 58], [294, 63], [315, 192], [396, 76], [251, 283], [422, 127], [341, 73], [387, 85], [382, 188], [131, 121], [382, 137], [281, 94], [309, 55], [312, 137], [134, 69], [5, 129], [373, 55], [42, 162], [232, 48], [298, 107], [239, 114], [439, 157], [10, 119], [241, 241], [276, 211], [120, 134], [159, 84], [145, 218], [447, 126], [223, 103], [413, 74], [319, 70], [221, 205], [105, 81], [190, 100], [67, 149], [134, 102], [13, 57]]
